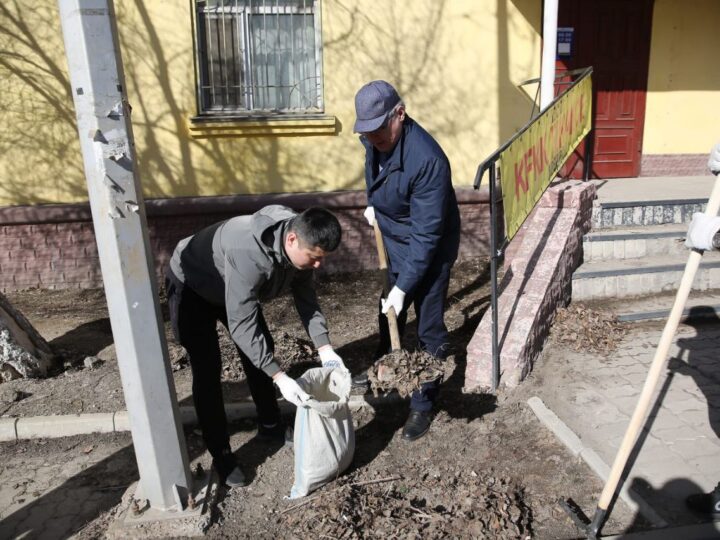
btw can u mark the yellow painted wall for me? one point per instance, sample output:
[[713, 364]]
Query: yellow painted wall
[[683, 102], [456, 63]]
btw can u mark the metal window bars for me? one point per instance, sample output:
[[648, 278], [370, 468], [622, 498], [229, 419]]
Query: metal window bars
[[259, 56]]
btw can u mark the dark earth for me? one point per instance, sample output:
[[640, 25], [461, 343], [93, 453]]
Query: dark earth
[[487, 468]]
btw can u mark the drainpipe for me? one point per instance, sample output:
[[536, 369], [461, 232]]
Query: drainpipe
[[547, 70]]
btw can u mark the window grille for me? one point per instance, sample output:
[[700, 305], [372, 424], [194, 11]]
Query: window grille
[[258, 56]]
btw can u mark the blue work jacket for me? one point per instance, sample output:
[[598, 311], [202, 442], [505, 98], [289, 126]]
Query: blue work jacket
[[415, 204]]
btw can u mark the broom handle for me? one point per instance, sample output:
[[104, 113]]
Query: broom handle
[[392, 318], [658, 362]]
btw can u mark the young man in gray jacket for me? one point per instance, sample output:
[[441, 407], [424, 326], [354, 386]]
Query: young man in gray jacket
[[224, 273]]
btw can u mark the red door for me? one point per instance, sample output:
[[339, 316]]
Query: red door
[[613, 36]]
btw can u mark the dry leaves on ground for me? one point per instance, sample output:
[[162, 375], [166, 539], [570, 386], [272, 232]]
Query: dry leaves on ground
[[406, 371], [586, 329], [442, 504]]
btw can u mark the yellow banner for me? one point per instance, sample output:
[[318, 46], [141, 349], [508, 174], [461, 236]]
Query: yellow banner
[[531, 162]]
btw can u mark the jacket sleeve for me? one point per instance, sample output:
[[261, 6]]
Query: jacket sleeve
[[428, 209], [306, 303], [244, 315]]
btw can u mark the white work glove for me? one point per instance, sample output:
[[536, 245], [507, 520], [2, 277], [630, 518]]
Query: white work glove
[[369, 214], [701, 231], [714, 160], [291, 390], [395, 299], [329, 358]]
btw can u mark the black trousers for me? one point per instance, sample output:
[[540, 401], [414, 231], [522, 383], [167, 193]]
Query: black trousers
[[194, 323]]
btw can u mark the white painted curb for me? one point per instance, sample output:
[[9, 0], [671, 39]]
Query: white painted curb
[[63, 426], [49, 427], [631, 497], [8, 430]]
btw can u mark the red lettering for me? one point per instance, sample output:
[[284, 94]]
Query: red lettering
[[520, 182], [528, 166], [539, 156]]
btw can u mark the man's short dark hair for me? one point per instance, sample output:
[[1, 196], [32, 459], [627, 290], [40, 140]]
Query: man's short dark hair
[[317, 227]]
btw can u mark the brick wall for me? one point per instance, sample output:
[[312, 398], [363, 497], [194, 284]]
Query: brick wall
[[536, 283], [674, 165], [53, 246]]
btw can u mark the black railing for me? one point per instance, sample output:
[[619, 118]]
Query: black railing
[[489, 165]]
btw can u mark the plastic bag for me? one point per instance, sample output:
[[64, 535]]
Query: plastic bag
[[324, 438]]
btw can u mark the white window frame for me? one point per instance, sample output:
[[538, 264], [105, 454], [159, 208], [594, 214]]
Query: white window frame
[[245, 105]]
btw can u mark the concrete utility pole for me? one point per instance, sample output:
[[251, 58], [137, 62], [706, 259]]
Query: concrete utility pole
[[547, 69], [118, 210]]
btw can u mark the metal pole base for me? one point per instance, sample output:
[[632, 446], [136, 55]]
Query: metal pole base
[[136, 519]]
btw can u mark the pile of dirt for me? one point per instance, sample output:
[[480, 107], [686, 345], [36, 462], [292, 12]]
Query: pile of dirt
[[406, 371], [586, 329], [447, 504]]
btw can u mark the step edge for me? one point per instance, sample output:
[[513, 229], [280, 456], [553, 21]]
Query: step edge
[[655, 269]]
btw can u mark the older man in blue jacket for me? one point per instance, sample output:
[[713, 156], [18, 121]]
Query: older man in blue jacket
[[411, 196]]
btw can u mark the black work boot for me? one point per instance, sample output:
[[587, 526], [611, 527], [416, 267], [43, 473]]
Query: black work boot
[[417, 425], [705, 503], [228, 470]]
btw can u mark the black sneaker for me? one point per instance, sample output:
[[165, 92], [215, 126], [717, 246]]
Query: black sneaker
[[277, 434], [228, 470], [705, 503]]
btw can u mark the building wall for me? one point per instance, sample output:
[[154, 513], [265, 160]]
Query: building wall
[[53, 246], [456, 63], [682, 114]]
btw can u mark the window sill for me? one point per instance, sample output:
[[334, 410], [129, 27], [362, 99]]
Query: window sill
[[202, 127]]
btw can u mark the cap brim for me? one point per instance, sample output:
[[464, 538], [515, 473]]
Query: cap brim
[[366, 126]]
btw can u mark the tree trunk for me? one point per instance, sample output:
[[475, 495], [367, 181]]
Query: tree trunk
[[23, 351]]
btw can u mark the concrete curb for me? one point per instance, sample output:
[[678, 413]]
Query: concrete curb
[[54, 426], [631, 497]]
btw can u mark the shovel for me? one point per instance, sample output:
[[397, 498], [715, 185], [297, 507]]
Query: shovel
[[391, 315], [592, 528], [361, 382]]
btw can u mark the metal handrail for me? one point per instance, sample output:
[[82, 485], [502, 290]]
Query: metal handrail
[[496, 251]]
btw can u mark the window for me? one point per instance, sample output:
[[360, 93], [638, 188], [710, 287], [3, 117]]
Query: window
[[258, 57]]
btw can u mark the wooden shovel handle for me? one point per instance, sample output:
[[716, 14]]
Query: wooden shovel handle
[[392, 317], [658, 363]]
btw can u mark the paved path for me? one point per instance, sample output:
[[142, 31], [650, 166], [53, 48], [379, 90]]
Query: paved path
[[678, 452], [661, 188]]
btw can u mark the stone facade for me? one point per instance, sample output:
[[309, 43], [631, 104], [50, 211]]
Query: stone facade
[[538, 271], [53, 246]]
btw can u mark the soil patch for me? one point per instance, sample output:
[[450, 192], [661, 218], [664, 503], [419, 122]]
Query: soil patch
[[486, 469]]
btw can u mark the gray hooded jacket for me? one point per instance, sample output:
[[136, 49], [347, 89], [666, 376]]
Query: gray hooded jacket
[[240, 263]]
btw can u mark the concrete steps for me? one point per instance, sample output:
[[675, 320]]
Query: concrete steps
[[636, 249], [701, 306], [634, 242], [642, 276]]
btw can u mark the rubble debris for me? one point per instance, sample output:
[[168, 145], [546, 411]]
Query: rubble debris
[[586, 329]]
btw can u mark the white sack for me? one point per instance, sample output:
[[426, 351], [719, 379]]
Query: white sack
[[324, 438]]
